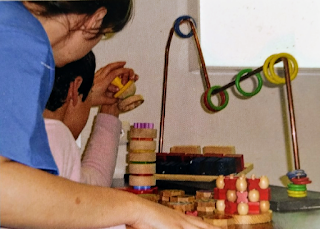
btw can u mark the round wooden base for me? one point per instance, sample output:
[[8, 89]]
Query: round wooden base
[[253, 219]]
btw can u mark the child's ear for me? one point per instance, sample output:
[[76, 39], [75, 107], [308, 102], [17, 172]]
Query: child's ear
[[73, 93]]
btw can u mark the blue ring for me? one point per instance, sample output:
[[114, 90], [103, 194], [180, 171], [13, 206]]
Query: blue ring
[[177, 26], [141, 187], [296, 173]]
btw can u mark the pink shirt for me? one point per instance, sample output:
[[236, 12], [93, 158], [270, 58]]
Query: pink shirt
[[98, 164]]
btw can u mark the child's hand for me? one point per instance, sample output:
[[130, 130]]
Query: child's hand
[[102, 90]]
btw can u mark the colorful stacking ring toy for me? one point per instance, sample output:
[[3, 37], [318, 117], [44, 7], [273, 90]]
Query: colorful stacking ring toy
[[298, 187], [224, 99], [268, 68], [248, 94], [177, 26]]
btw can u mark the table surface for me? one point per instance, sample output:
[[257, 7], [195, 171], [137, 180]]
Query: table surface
[[308, 218]]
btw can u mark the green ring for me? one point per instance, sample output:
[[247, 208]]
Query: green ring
[[142, 162], [217, 108], [297, 187], [248, 94]]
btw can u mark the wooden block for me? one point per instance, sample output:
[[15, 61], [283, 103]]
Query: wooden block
[[231, 207], [188, 149], [205, 203], [219, 150], [183, 198], [142, 180], [254, 207], [181, 206], [142, 133], [151, 197], [142, 168], [204, 194], [206, 209], [172, 192], [138, 157], [142, 146]]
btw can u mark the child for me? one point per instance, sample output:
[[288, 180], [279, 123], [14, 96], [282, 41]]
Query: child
[[66, 114]]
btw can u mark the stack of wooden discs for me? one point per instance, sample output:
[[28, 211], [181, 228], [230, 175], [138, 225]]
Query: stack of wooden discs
[[142, 156]]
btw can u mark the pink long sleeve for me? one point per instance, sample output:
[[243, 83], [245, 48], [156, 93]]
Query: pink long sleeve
[[100, 157]]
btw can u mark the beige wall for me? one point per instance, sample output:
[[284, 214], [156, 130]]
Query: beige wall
[[258, 127]]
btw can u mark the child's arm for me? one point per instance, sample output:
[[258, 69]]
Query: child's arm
[[100, 157]]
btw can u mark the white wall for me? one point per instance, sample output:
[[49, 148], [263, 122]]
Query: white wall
[[258, 127]]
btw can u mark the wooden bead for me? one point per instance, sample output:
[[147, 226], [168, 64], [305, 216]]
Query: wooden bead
[[264, 206], [220, 205], [254, 195], [231, 195], [220, 182], [241, 184], [264, 182], [243, 208]]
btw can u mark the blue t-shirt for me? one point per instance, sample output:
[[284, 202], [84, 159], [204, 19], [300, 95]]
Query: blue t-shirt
[[26, 80]]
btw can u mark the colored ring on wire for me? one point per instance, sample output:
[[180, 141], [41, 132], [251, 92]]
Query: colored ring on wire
[[268, 68], [222, 105], [297, 187], [255, 91], [296, 173], [205, 100], [301, 181], [177, 26]]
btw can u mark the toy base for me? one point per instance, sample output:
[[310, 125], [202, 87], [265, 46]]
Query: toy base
[[253, 219]]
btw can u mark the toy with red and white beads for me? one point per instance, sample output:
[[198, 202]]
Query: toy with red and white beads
[[246, 199]]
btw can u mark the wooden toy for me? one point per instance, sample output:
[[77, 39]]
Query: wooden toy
[[142, 165], [127, 94]]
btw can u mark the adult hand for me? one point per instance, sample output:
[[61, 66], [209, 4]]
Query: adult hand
[[102, 90], [157, 216]]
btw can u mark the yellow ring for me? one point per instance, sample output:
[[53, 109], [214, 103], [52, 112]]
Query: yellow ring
[[125, 87], [268, 68]]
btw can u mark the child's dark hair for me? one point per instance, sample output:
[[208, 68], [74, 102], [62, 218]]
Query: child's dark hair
[[118, 11], [85, 68]]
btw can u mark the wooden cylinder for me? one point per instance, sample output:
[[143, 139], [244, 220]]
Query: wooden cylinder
[[142, 168], [142, 180], [142, 146], [142, 133], [139, 157]]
